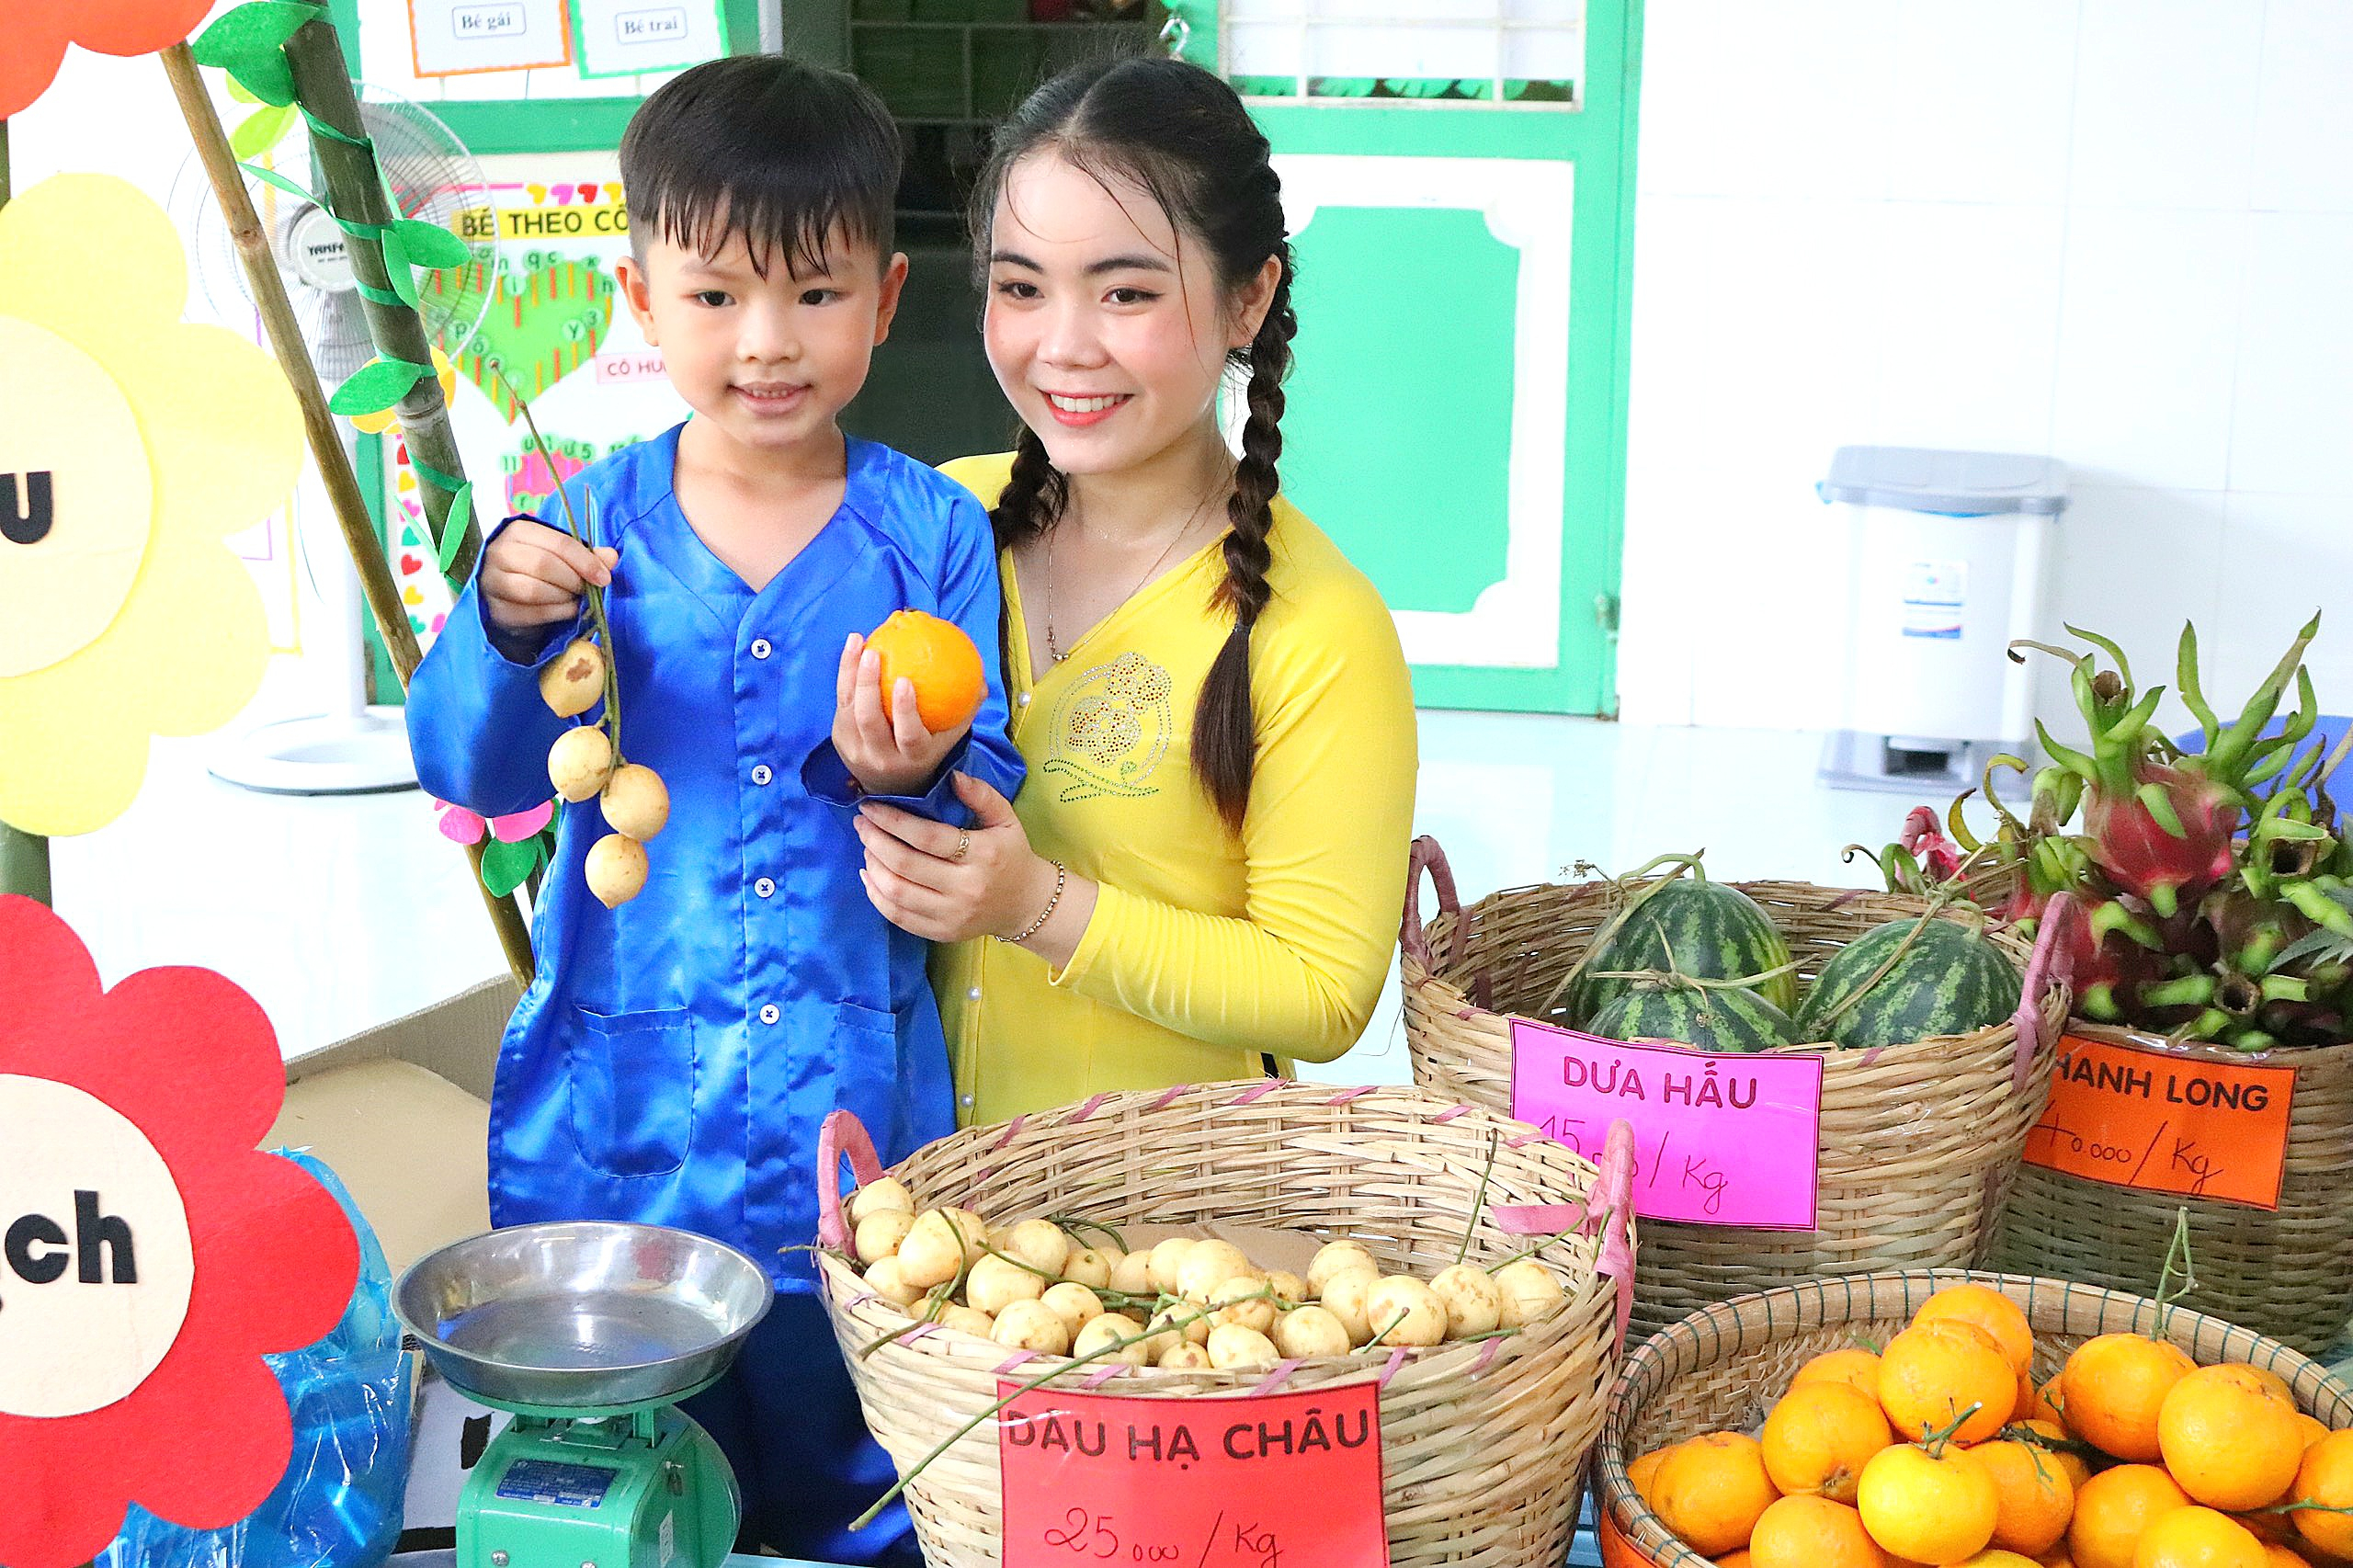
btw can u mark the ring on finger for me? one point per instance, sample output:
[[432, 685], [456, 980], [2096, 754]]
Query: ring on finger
[[963, 845]]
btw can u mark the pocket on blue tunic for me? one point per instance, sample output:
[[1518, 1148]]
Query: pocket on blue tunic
[[865, 1069], [633, 1085]]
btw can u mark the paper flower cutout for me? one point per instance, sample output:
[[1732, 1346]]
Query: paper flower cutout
[[33, 37], [385, 419], [462, 826], [132, 445], [168, 1254]]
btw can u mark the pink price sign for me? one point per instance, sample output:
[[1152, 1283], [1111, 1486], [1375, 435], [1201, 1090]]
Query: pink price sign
[[1719, 1138]]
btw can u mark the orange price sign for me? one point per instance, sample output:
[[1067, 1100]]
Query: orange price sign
[[1274, 1480], [2130, 1116]]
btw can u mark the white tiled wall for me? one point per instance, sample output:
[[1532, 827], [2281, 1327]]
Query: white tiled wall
[[2118, 231]]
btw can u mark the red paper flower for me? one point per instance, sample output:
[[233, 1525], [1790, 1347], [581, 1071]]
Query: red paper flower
[[33, 37], [152, 1253]]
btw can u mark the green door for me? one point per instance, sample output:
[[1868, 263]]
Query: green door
[[1459, 175]]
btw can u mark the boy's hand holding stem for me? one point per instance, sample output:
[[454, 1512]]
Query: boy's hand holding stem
[[533, 576]]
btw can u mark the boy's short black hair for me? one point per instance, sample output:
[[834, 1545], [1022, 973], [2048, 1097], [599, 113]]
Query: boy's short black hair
[[781, 152]]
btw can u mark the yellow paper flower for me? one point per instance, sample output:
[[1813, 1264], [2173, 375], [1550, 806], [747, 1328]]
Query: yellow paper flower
[[132, 445], [384, 419]]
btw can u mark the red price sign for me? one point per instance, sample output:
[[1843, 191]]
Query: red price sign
[[1285, 1480]]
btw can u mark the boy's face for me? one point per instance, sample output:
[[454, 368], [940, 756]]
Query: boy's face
[[768, 361]]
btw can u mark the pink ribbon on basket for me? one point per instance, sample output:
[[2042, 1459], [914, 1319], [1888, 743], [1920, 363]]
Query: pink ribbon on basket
[[1608, 1205]]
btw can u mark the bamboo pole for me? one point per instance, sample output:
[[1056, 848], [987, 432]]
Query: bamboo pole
[[325, 440], [354, 187], [24, 856]]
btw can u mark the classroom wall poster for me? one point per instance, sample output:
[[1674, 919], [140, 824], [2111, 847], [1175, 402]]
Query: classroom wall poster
[[557, 329], [462, 38]]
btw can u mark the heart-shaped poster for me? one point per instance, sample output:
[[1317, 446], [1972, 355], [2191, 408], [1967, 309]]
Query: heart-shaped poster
[[544, 323]]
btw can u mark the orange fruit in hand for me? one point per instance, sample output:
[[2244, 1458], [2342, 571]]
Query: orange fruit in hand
[[2230, 1437], [2196, 1538], [1857, 1369], [940, 660], [1927, 1507], [2037, 1499], [1820, 1436], [2113, 1509], [1812, 1533], [1930, 1375], [1712, 1491], [2002, 1319], [2325, 1477], [2112, 1388]]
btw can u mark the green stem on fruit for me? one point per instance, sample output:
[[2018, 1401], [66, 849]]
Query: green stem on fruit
[[1617, 922], [2227, 754], [1934, 1442], [1478, 1200], [590, 592], [2177, 1260]]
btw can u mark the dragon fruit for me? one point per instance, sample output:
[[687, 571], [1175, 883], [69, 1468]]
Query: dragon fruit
[[2207, 893]]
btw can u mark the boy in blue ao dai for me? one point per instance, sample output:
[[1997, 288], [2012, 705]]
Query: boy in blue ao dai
[[676, 1055]]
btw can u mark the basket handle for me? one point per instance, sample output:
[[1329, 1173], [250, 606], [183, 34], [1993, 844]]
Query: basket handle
[[1427, 856], [842, 1133], [2051, 963]]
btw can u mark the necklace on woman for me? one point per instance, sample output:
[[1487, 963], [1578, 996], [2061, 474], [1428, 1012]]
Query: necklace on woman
[[1056, 653]]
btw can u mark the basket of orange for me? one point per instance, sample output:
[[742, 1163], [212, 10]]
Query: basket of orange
[[1992, 1420]]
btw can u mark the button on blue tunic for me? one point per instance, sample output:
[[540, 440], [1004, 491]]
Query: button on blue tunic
[[675, 1056]]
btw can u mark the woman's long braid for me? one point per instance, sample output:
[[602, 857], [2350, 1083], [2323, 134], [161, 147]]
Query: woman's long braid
[[1224, 726], [1032, 497]]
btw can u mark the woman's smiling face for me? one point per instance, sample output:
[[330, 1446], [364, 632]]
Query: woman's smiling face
[[1107, 326]]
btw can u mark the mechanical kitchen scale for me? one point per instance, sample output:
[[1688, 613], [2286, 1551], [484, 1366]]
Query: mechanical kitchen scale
[[589, 1334]]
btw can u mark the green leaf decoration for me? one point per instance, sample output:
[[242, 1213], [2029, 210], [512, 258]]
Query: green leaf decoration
[[262, 129], [272, 177], [250, 41], [397, 270], [238, 94], [453, 526], [430, 245], [506, 867], [374, 388]]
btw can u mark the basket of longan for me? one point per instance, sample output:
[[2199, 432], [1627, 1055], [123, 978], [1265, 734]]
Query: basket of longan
[[1474, 1275], [1987, 1419]]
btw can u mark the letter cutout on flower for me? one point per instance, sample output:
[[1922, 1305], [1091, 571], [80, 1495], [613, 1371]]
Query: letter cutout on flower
[[154, 1255], [132, 445]]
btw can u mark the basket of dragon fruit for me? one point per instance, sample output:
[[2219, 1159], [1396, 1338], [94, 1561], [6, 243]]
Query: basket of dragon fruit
[[2197, 895]]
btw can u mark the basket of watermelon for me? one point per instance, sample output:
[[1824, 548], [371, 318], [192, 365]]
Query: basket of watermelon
[[1929, 1083]]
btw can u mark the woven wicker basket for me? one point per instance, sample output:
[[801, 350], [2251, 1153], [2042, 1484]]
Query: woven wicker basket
[[2287, 1273], [1919, 1142], [1482, 1444], [1721, 1369]]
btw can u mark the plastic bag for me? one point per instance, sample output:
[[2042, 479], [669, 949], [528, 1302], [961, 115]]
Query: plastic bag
[[338, 1505]]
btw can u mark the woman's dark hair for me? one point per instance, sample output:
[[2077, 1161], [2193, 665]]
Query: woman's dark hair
[[1180, 134], [780, 153]]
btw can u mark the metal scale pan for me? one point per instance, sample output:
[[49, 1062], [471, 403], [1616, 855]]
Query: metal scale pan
[[582, 1318]]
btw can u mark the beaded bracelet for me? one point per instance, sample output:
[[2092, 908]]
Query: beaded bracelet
[[1061, 877]]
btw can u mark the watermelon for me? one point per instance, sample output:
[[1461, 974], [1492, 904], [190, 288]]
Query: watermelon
[[1692, 926], [1715, 1017], [1949, 981]]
